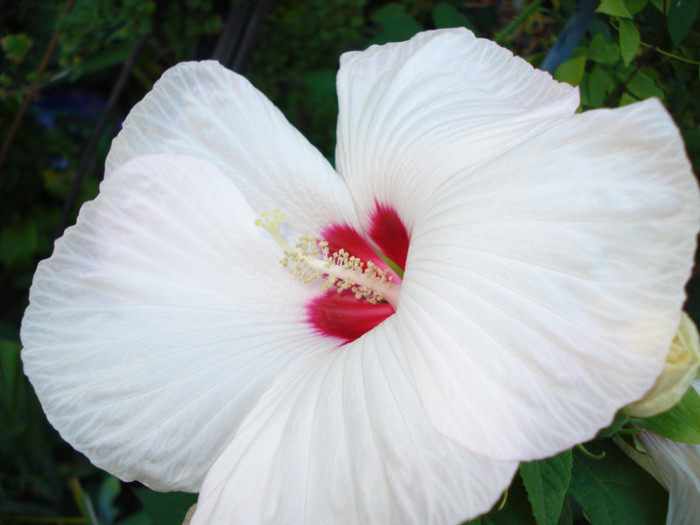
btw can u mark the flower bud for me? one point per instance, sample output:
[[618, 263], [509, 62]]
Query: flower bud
[[681, 369]]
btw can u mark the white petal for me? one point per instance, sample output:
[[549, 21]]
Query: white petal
[[204, 110], [552, 280], [677, 467], [159, 320], [342, 438], [413, 114]]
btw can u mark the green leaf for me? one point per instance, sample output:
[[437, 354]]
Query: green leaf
[[583, 93], [396, 24], [546, 482], [571, 71], [516, 510], [446, 15], [615, 490], [641, 86], [603, 52], [627, 99], [635, 6], [18, 242], [659, 4], [104, 59], [621, 419], [105, 503], [16, 46], [614, 8], [629, 40], [681, 17], [166, 508], [567, 514], [600, 84], [681, 423]]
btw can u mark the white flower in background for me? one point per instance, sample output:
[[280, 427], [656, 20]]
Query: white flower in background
[[545, 255], [676, 466]]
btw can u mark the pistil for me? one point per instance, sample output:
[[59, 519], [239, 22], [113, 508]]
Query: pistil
[[310, 260]]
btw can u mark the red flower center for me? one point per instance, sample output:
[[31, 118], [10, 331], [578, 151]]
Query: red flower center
[[340, 314]]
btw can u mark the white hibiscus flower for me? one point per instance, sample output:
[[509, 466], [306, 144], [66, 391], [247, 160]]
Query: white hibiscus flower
[[539, 259]]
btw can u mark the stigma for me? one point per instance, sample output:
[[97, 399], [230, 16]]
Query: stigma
[[311, 260]]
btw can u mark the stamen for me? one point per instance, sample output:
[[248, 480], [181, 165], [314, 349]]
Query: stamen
[[310, 260]]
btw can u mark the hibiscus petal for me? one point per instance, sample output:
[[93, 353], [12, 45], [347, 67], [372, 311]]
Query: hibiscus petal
[[342, 236], [389, 233], [204, 110], [677, 467], [413, 114], [341, 315], [552, 279], [159, 320], [342, 438]]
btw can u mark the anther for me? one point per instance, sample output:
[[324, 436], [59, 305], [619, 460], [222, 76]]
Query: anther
[[310, 260]]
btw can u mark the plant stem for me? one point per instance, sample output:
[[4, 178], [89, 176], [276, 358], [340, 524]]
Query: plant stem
[[570, 36], [670, 55]]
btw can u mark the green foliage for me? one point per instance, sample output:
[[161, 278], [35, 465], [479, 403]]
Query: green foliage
[[601, 84], [639, 84], [629, 41], [621, 420], [513, 510], [166, 508], [296, 67], [571, 71], [16, 46], [447, 15], [598, 485], [395, 23], [26, 445], [18, 242], [602, 51], [681, 17], [547, 482], [635, 6], [94, 26], [680, 423], [616, 491], [614, 8]]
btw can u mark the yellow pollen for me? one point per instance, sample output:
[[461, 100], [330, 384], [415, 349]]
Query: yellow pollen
[[310, 260]]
